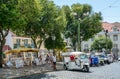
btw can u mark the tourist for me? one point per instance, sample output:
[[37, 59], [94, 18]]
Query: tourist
[[47, 58], [54, 62]]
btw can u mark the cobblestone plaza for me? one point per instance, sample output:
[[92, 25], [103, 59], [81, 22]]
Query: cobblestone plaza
[[111, 71]]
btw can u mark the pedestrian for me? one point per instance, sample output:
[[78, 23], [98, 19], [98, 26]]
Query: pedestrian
[[54, 62], [115, 51], [50, 58], [47, 58], [40, 59]]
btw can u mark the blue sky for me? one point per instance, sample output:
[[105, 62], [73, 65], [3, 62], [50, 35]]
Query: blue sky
[[110, 9]]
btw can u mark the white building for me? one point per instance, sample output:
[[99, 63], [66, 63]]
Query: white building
[[13, 41], [9, 40], [113, 34]]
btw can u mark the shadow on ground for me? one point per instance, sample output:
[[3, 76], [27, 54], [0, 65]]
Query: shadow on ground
[[37, 76], [77, 70]]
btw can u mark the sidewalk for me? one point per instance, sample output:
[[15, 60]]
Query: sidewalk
[[11, 73]]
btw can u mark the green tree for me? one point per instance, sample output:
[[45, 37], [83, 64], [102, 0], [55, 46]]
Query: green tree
[[70, 31], [90, 23], [57, 43], [9, 19], [31, 11], [100, 43], [59, 22], [43, 19], [47, 20]]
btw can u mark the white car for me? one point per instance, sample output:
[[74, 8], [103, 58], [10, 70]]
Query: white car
[[119, 58], [110, 58]]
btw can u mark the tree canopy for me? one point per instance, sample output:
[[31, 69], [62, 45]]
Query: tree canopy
[[100, 43], [9, 19], [43, 19], [90, 22]]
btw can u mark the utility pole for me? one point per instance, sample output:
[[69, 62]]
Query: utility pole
[[79, 47], [106, 31], [79, 23]]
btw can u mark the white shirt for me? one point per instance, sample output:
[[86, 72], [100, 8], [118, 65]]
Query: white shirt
[[54, 58]]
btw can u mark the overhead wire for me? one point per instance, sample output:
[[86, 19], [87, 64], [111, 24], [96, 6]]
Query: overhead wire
[[111, 5]]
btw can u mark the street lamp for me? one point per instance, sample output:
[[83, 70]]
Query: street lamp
[[53, 38], [106, 31], [79, 23]]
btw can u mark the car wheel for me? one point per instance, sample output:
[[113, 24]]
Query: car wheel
[[65, 67], [86, 68]]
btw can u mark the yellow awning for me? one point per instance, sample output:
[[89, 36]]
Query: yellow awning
[[21, 50]]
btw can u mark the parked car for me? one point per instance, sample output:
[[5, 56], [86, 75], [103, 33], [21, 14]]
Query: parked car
[[106, 59], [100, 58], [110, 58], [118, 58], [93, 60]]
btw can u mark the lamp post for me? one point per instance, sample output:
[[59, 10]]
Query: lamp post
[[78, 35], [79, 23], [106, 31], [53, 38], [79, 45]]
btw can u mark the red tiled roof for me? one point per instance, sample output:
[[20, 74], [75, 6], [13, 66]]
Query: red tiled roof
[[109, 26]]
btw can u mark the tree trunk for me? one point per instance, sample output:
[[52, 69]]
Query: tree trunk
[[2, 43], [40, 44], [1, 58], [3, 34], [1, 52]]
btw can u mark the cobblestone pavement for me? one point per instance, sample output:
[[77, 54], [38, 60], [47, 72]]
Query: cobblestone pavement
[[111, 71], [11, 73]]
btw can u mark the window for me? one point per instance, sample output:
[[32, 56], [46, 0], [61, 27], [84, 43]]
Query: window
[[28, 54], [115, 45], [83, 56], [17, 41], [115, 29], [115, 37], [26, 42], [32, 44], [86, 46]]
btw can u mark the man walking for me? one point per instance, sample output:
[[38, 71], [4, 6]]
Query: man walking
[[54, 62], [115, 51]]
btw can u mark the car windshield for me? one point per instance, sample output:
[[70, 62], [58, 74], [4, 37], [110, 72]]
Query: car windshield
[[101, 56], [83, 56]]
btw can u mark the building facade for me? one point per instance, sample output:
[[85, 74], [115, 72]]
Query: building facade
[[14, 41], [113, 34]]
